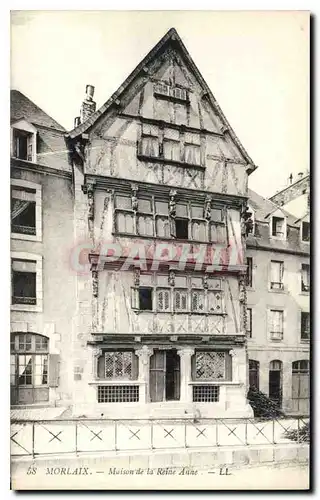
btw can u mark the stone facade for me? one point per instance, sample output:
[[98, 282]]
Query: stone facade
[[292, 344]]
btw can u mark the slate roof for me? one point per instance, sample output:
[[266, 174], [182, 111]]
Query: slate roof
[[23, 107], [264, 207], [170, 37], [52, 149]]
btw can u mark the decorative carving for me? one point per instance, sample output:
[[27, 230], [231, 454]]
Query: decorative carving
[[171, 278], [144, 354], [136, 277], [88, 189], [95, 280], [97, 351], [246, 222], [172, 203], [242, 288], [232, 353], [134, 197], [207, 208], [205, 281]]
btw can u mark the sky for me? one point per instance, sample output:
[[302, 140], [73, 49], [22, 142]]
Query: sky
[[255, 63]]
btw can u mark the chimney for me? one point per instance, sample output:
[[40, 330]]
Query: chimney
[[77, 121], [290, 178], [88, 106], [300, 175]]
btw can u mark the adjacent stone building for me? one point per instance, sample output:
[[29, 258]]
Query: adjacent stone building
[[42, 286], [278, 287]]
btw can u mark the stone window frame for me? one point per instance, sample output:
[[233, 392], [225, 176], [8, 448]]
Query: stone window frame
[[274, 236], [101, 358], [154, 215], [249, 331], [305, 288], [20, 183], [189, 288], [301, 231], [282, 275], [227, 372], [271, 334], [38, 307], [305, 338]]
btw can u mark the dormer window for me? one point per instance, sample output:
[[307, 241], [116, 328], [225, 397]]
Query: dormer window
[[23, 141], [22, 145], [305, 231], [278, 227]]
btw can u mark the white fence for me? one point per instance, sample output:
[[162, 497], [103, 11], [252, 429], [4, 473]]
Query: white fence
[[55, 437]]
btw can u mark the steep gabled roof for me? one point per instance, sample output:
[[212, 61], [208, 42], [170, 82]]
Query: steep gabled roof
[[23, 108], [170, 36]]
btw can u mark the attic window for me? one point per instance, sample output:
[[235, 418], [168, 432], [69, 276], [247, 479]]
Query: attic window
[[166, 91], [22, 145], [278, 227]]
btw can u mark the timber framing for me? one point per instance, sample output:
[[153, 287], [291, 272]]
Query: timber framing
[[170, 37]]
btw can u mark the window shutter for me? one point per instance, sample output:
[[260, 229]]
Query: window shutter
[[54, 362], [135, 367], [228, 366], [134, 298], [101, 366]]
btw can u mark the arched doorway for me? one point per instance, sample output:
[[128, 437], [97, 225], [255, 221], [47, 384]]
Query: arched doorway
[[254, 374], [275, 382], [300, 386], [29, 368]]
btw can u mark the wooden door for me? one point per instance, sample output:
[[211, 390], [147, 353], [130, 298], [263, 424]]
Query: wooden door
[[157, 376], [300, 387]]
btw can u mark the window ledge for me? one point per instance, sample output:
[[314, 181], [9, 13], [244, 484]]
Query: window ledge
[[161, 159], [115, 382], [215, 382], [277, 290], [26, 307], [304, 293], [138, 311], [26, 237]]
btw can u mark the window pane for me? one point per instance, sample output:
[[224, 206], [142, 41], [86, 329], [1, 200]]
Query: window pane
[[163, 227], [216, 215], [181, 300], [210, 365], [181, 210], [171, 150], [150, 146], [192, 154], [124, 223], [196, 212], [163, 300], [41, 370], [144, 206], [123, 202], [162, 208], [145, 225], [199, 232], [197, 299], [118, 364], [214, 302]]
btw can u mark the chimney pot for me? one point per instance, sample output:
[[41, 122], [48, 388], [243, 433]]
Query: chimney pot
[[77, 121], [89, 91], [300, 175]]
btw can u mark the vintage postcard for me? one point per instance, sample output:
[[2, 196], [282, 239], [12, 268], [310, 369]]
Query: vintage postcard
[[160, 243]]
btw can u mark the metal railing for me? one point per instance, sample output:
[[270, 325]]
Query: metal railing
[[76, 436]]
